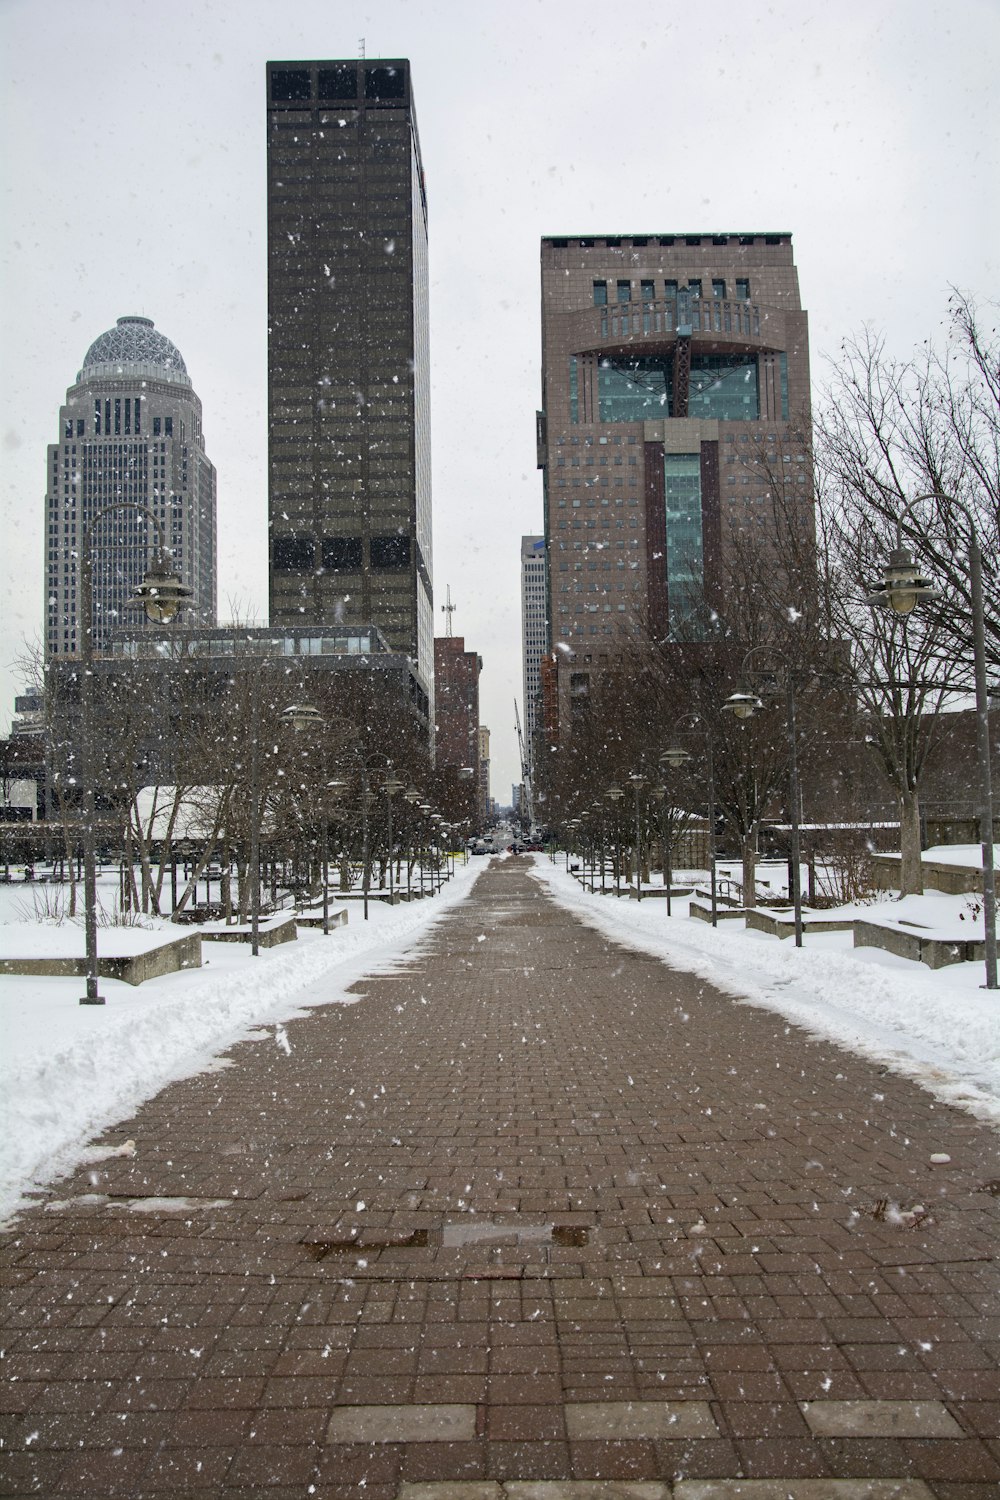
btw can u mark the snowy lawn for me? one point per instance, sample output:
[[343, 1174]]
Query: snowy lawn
[[936, 1026], [69, 1071]]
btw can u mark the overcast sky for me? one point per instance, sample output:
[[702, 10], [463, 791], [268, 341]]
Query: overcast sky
[[133, 182]]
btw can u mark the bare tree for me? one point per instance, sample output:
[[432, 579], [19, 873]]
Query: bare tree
[[891, 429]]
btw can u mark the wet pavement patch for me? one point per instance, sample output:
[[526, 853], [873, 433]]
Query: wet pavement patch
[[900, 1419], [402, 1424], [596, 1420], [318, 1249]]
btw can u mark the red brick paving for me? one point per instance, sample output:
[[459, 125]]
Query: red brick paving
[[520, 1071]]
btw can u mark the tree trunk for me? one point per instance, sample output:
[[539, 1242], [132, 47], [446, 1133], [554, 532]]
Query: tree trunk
[[911, 870], [749, 853]]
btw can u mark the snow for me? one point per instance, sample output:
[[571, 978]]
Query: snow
[[46, 940], [937, 1027], [969, 856], [70, 1071]]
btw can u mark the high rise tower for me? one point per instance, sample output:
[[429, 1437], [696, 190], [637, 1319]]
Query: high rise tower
[[131, 433], [667, 360], [348, 355]]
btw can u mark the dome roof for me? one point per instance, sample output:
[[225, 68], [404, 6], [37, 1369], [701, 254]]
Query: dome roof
[[134, 342]]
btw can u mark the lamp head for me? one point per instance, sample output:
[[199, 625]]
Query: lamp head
[[675, 757], [302, 717], [743, 705], [902, 588], [161, 593]]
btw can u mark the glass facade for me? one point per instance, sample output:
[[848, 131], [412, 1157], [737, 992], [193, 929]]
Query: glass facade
[[685, 545], [348, 355], [632, 390], [724, 386]]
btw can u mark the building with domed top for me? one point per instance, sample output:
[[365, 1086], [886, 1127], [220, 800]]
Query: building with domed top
[[130, 435]]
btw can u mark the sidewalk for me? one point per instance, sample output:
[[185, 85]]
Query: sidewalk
[[538, 1208]]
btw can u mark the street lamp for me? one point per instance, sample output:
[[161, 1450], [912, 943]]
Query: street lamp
[[744, 705], [637, 779], [161, 594], [614, 795], [303, 717], [901, 590], [390, 786], [672, 759], [673, 755]]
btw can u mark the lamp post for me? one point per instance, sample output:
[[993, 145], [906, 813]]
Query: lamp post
[[161, 594], [303, 718], [744, 705], [614, 795], [411, 796], [674, 759], [637, 779], [675, 756], [901, 590], [390, 786]]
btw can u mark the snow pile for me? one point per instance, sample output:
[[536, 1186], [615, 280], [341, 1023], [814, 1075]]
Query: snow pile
[[936, 1026], [69, 1071]]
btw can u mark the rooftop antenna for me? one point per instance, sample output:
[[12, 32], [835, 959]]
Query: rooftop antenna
[[448, 609]]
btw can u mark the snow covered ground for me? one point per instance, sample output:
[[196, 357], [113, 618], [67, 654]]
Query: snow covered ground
[[936, 1026], [69, 1071]]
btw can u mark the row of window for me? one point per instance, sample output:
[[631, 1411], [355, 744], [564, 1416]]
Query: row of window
[[669, 240], [295, 85], [647, 290], [298, 554]]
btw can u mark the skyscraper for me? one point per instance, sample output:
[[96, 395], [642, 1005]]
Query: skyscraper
[[348, 354], [665, 359], [456, 702], [130, 433], [533, 634]]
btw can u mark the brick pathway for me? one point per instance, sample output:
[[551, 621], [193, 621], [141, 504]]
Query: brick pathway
[[537, 1209]]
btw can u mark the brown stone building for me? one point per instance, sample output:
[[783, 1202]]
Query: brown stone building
[[456, 677], [456, 736], [348, 354], [667, 361]]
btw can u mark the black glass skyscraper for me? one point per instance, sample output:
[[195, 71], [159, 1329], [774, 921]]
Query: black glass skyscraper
[[348, 358]]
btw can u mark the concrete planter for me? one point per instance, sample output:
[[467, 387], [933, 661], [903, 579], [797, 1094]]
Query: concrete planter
[[311, 918], [935, 951], [131, 968], [783, 925], [269, 934], [953, 880]]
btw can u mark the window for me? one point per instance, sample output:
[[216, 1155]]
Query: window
[[694, 285], [342, 553], [718, 287], [624, 291], [742, 289], [632, 390], [168, 426], [294, 554], [600, 294], [685, 551], [648, 291], [389, 552], [290, 85], [337, 83], [670, 290], [385, 83]]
